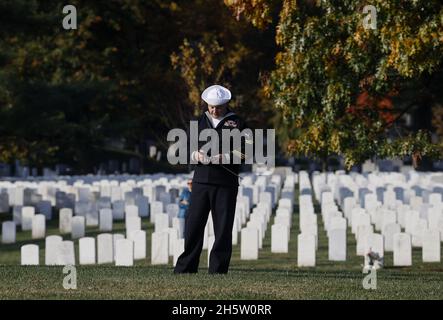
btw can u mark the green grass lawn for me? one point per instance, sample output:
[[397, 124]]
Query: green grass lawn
[[272, 276]]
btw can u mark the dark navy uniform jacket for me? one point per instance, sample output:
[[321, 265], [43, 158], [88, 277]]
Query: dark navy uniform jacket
[[220, 174]]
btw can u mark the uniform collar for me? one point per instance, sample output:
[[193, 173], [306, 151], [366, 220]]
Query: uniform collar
[[228, 114]]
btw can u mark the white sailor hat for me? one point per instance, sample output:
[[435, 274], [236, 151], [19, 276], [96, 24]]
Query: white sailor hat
[[216, 95]]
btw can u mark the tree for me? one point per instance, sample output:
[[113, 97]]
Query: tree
[[65, 93], [224, 51], [341, 88]]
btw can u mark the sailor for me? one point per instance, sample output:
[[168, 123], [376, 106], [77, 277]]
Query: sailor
[[214, 189]]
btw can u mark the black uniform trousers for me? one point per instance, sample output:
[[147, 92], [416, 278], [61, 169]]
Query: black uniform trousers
[[221, 200]]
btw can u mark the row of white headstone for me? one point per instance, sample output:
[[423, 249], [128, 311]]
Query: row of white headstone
[[307, 239], [167, 224], [281, 229], [111, 248], [388, 217], [76, 224], [91, 198], [282, 198], [19, 193], [252, 236]]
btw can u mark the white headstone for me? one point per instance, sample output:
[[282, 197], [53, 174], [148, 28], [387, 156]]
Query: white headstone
[[306, 250], [18, 198], [388, 217], [285, 203], [173, 237], [362, 219], [417, 232], [348, 204], [312, 229], [8, 232], [52, 250], [105, 248], [415, 202], [234, 234], [265, 197], [259, 226], [87, 250], [374, 243], [161, 222], [337, 245], [38, 226], [131, 211], [30, 255], [249, 244], [105, 220], [172, 211], [66, 253], [27, 215], [284, 214], [389, 199], [179, 224], [388, 233], [434, 215], [327, 197], [402, 249], [401, 214], [116, 194], [356, 212], [308, 223], [124, 253], [65, 220], [435, 198], [139, 238], [132, 224], [131, 214], [411, 220], [160, 248], [240, 211], [284, 221], [431, 246], [92, 218], [78, 227], [337, 223], [156, 208], [279, 238], [363, 234], [115, 237]]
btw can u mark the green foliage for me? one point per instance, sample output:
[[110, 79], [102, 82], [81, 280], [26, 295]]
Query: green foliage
[[340, 87], [63, 94]]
